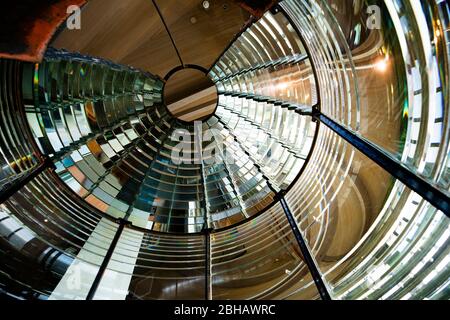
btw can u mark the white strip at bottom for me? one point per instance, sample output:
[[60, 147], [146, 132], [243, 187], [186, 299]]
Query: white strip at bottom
[[78, 279], [117, 277]]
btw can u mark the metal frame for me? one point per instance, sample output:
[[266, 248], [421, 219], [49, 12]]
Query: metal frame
[[425, 189], [106, 260], [417, 184], [308, 259], [208, 265]]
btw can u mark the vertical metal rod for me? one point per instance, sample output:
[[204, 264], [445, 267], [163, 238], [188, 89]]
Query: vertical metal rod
[[198, 152], [106, 260], [208, 281], [317, 277]]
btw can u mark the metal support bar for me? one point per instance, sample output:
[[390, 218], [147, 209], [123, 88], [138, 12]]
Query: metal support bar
[[427, 191], [106, 260], [206, 223], [208, 271], [198, 151], [321, 287], [10, 189]]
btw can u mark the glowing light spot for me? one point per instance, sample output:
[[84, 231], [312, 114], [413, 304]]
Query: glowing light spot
[[405, 109], [382, 64], [36, 74], [282, 86]]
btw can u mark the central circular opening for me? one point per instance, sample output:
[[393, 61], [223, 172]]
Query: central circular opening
[[190, 95]]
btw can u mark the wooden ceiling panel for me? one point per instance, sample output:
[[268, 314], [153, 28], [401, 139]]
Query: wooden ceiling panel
[[125, 31], [202, 34], [131, 32]]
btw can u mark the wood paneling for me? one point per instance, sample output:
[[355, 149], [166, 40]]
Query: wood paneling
[[200, 43], [131, 32], [195, 107]]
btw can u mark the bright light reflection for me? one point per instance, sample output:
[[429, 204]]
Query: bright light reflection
[[282, 86], [382, 64]]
